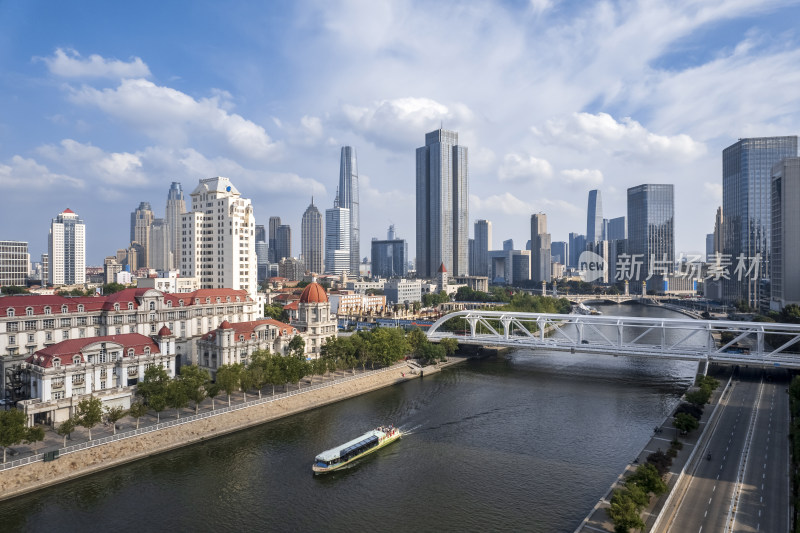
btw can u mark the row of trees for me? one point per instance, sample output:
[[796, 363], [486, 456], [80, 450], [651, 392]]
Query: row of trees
[[13, 430]]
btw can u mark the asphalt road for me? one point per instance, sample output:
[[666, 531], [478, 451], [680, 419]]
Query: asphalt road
[[709, 499]]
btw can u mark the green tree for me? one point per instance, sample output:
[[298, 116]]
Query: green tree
[[416, 340], [89, 413], [154, 383], [115, 414], [297, 346], [699, 396], [111, 288], [387, 345], [228, 379], [33, 436], [12, 429], [277, 312], [158, 402], [450, 345], [176, 396], [212, 391], [648, 479], [13, 289], [245, 380], [685, 422], [66, 428], [624, 512], [137, 411], [195, 380]]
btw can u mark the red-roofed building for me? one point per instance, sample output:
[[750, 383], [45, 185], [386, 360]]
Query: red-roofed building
[[233, 343], [311, 315], [107, 367]]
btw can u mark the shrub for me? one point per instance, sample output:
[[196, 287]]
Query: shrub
[[660, 461], [690, 409]]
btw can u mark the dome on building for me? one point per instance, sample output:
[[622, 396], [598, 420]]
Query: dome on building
[[313, 294], [164, 332], [225, 325]]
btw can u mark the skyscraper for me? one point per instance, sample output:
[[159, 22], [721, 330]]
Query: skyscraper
[[283, 242], [483, 243], [142, 218], [617, 229], [14, 263], [159, 252], [594, 217], [261, 233], [337, 239], [389, 258], [223, 258], [311, 238], [66, 248], [540, 249], [559, 252], [651, 230], [176, 206], [785, 255], [577, 245], [442, 205], [746, 204], [274, 222], [348, 199], [719, 233]]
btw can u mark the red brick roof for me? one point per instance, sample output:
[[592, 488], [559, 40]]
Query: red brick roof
[[65, 350], [248, 328], [313, 293]]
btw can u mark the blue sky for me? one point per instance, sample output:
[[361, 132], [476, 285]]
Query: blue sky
[[104, 104]]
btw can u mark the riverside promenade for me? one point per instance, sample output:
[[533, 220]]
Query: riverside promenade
[[26, 472]]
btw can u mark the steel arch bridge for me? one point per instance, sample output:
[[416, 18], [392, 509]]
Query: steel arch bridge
[[749, 343]]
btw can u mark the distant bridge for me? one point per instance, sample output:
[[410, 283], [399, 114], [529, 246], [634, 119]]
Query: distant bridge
[[615, 298], [688, 339]]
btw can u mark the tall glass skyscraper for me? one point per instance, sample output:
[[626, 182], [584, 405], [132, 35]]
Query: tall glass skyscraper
[[348, 199], [594, 217], [651, 229], [540, 249], [337, 240], [311, 238], [746, 184], [442, 205], [283, 242], [483, 243], [66, 248], [176, 206], [274, 224]]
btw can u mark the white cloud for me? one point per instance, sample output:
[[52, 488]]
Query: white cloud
[[29, 175], [505, 203], [524, 167], [174, 117], [124, 170], [593, 178], [713, 191], [628, 138], [69, 64]]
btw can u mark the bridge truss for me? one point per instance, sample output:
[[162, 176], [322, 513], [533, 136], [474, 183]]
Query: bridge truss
[[750, 343]]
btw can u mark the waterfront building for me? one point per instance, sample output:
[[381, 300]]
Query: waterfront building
[[442, 205], [176, 207], [651, 231], [785, 252], [141, 222], [274, 223], [594, 217], [617, 229], [14, 263], [506, 268], [66, 249], [746, 203], [283, 242], [218, 238], [403, 291], [475, 283], [345, 303], [540, 249], [312, 317], [337, 240], [235, 343], [348, 199], [311, 239], [389, 258]]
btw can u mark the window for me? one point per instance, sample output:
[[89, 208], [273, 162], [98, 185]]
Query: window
[[10, 311], [102, 384], [58, 395], [82, 320], [30, 325], [147, 350], [48, 336], [152, 306], [117, 319], [48, 310], [30, 338], [12, 339], [169, 303], [116, 307], [49, 323], [130, 306], [80, 308], [65, 334], [76, 360], [82, 333], [130, 352], [180, 303], [29, 311], [66, 322], [64, 309], [56, 362]]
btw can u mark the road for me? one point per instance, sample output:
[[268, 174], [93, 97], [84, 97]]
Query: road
[[756, 413]]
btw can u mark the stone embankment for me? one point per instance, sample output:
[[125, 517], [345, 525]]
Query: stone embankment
[[36, 475]]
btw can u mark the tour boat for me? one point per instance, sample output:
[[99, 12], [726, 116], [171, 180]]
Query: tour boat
[[350, 451]]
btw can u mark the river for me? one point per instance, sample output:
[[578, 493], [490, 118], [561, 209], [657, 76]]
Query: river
[[525, 443]]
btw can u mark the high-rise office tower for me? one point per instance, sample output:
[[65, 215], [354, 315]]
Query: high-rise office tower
[[45, 268], [142, 219], [617, 229], [508, 245], [66, 249], [283, 242], [785, 254], [559, 252], [311, 239], [442, 205], [746, 203], [540, 249], [274, 223], [651, 229], [709, 247], [337, 239], [577, 245], [261, 233], [483, 243], [389, 258], [15, 263], [224, 257], [159, 252], [348, 199], [719, 233], [176, 206], [594, 217]]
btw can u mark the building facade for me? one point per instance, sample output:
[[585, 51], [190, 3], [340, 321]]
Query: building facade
[[283, 242], [389, 258], [483, 243], [651, 230], [235, 343], [142, 220], [594, 217], [274, 223], [66, 249], [348, 199], [176, 207], [785, 238], [337, 240], [160, 253], [617, 229], [311, 241], [403, 291], [218, 238], [15, 263], [442, 206], [540, 249]]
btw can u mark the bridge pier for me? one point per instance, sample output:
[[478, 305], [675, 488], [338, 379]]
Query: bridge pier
[[702, 368]]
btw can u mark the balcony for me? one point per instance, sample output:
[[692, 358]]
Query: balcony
[[57, 385], [133, 371], [78, 382]]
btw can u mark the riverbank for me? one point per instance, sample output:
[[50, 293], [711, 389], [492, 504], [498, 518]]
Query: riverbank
[[183, 432]]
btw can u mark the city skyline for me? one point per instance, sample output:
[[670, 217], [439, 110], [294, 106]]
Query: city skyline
[[99, 124]]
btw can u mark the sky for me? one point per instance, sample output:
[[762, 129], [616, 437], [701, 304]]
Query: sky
[[104, 104]]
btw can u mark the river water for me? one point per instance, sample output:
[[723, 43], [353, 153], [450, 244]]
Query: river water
[[525, 443]]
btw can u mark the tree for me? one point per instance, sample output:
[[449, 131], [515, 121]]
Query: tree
[[114, 415], [212, 391], [154, 383], [195, 381], [416, 339], [137, 411], [450, 346], [297, 346], [228, 379], [66, 428], [245, 380], [111, 288], [158, 402], [648, 478], [699, 396], [624, 512], [89, 413], [277, 312], [12, 429], [685, 422], [13, 289], [176, 396], [33, 435]]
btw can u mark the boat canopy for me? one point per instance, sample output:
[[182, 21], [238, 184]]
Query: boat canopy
[[347, 447]]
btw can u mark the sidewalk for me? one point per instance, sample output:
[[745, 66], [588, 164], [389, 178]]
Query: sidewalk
[[663, 435]]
